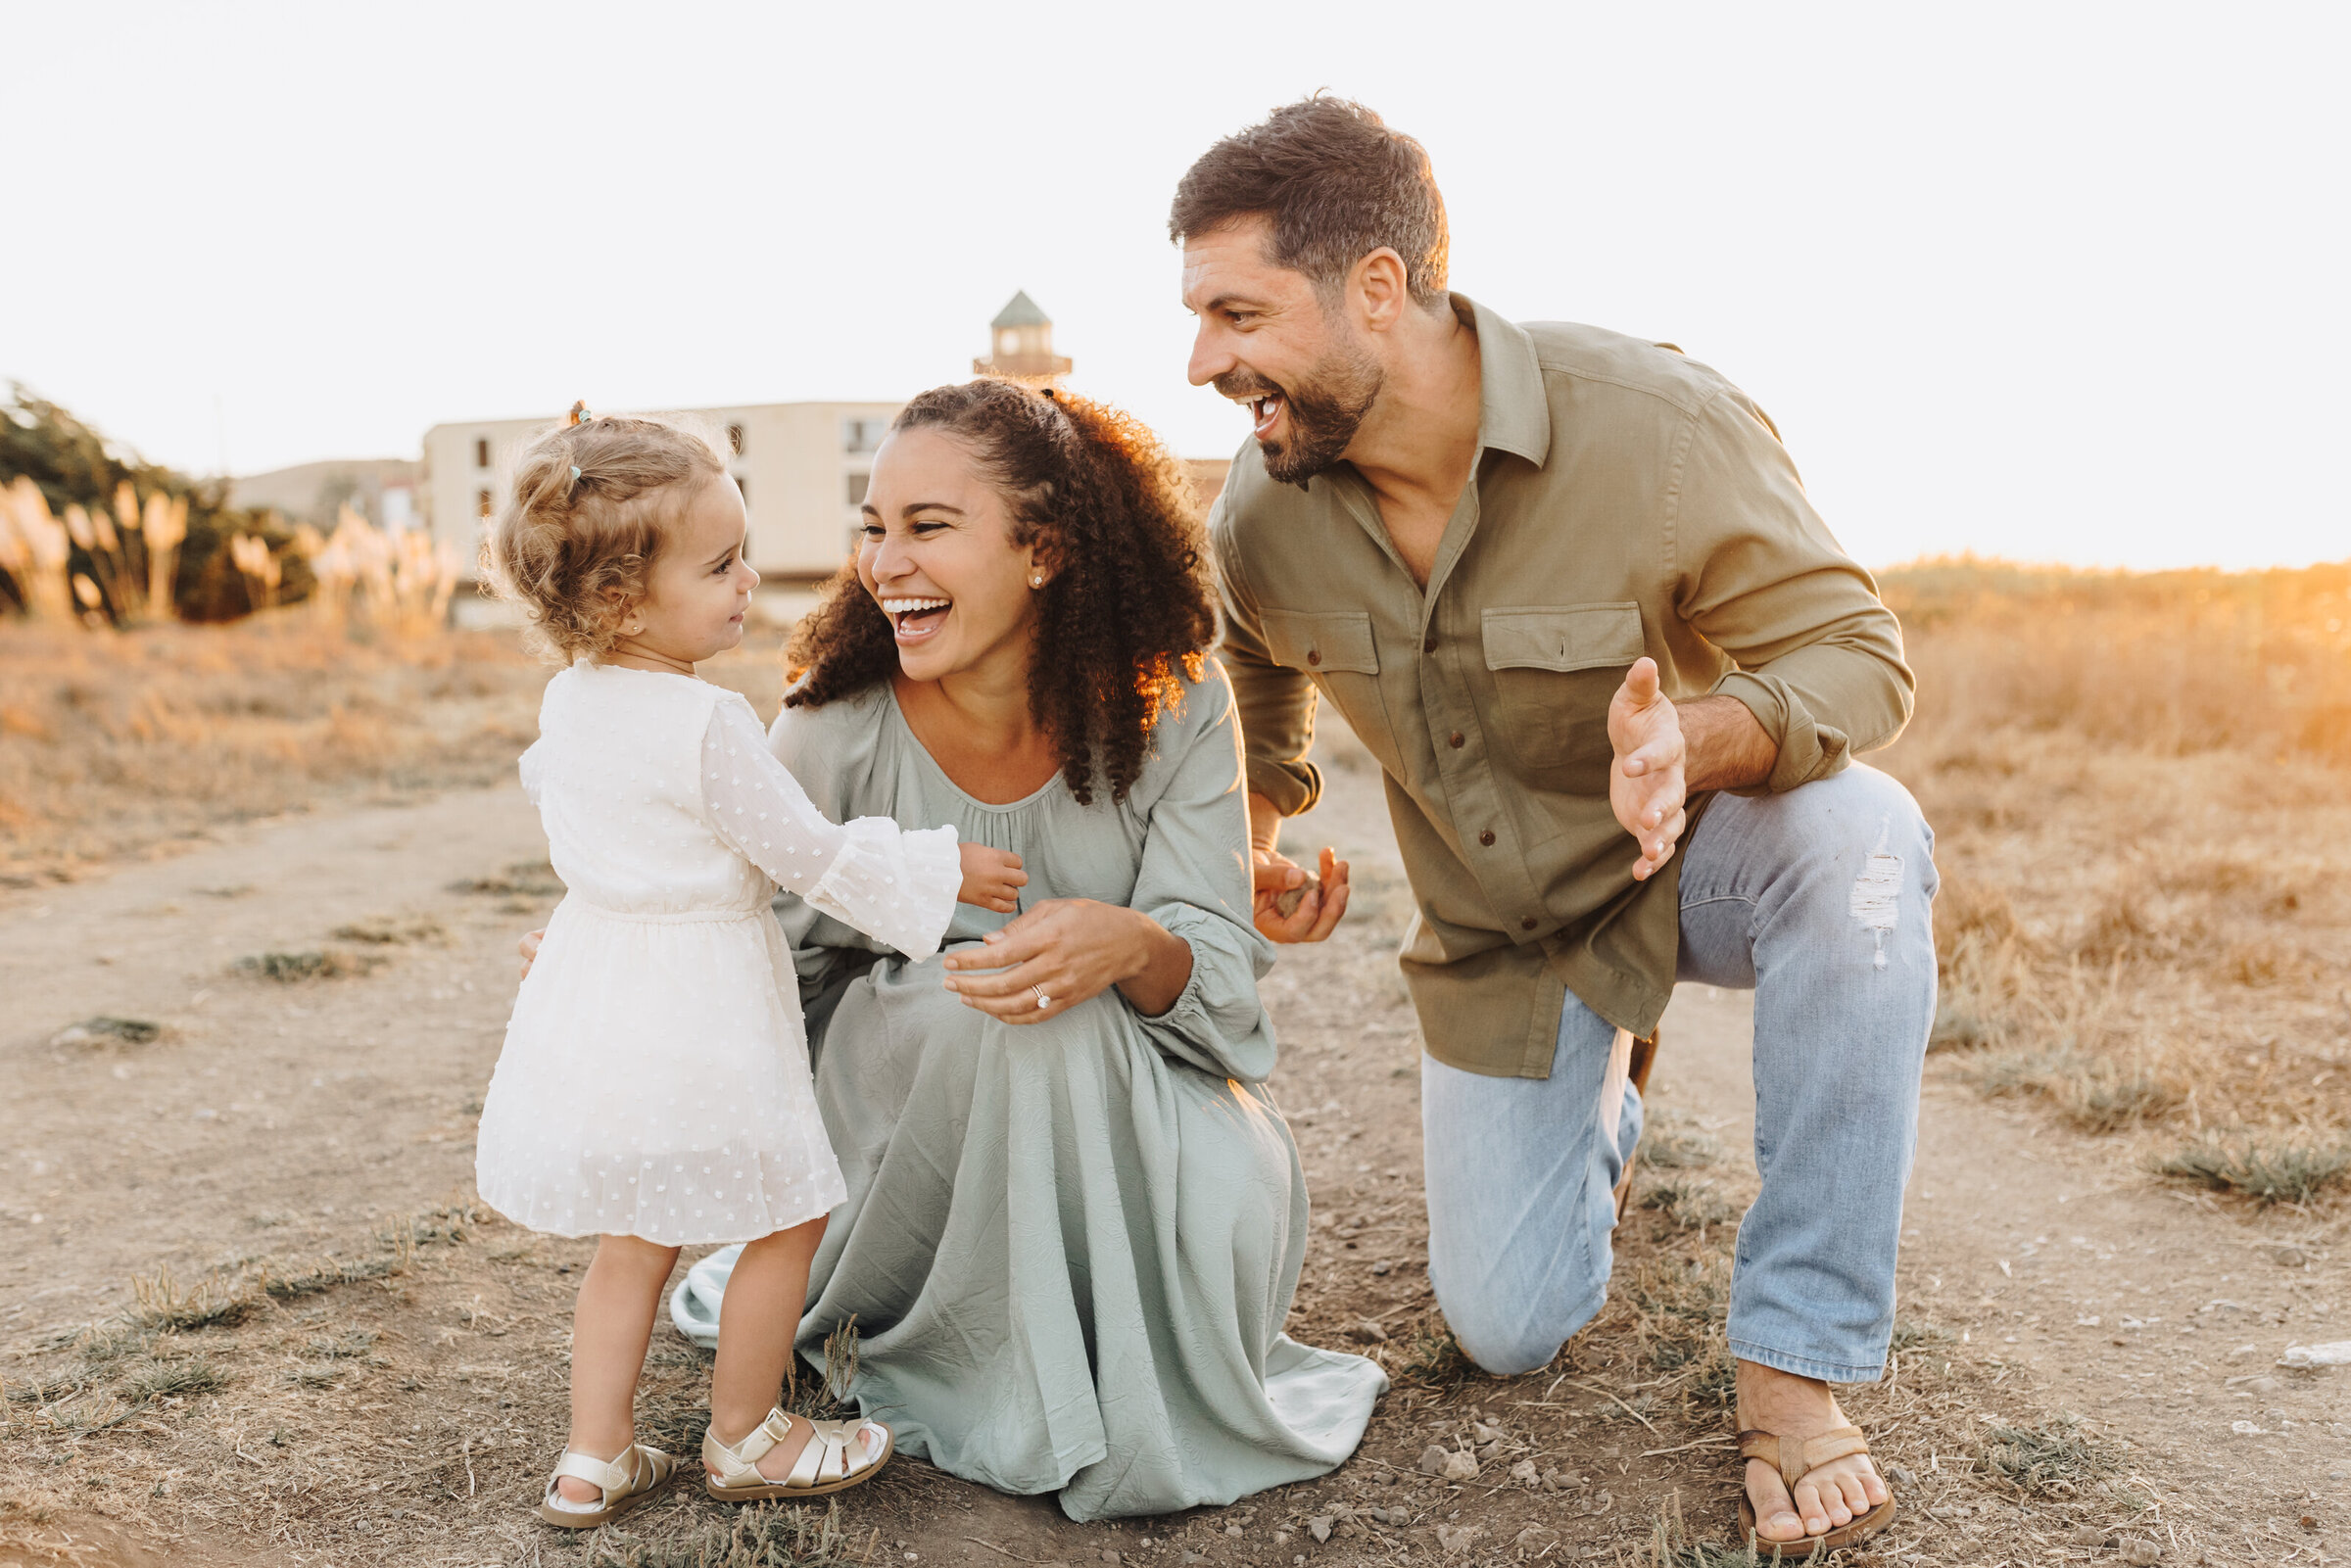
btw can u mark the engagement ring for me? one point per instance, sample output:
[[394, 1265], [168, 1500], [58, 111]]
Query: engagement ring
[[1042, 1000]]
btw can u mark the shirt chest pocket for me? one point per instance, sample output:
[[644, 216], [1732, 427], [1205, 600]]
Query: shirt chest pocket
[[1327, 642], [1335, 650], [1555, 668]]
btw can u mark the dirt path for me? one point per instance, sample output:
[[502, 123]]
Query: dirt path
[[393, 1392]]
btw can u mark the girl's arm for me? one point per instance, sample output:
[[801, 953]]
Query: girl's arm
[[894, 884]]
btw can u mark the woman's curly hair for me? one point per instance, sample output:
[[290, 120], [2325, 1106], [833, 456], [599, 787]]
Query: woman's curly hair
[[1125, 618], [592, 502]]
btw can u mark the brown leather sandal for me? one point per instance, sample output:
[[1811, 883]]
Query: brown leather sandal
[[1795, 1459]]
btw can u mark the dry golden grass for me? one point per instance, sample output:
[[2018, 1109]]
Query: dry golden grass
[[112, 744], [115, 745], [2139, 790]]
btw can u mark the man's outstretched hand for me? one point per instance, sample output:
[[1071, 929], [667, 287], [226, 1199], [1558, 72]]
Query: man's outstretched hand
[[1316, 914], [1646, 786]]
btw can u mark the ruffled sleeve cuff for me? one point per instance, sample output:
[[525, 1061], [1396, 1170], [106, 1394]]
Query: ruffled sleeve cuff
[[893, 884], [1217, 1022]]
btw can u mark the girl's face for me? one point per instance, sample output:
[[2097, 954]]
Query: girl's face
[[937, 557], [700, 586]]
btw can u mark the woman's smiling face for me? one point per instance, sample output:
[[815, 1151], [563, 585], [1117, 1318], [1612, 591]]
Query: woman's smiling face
[[938, 557]]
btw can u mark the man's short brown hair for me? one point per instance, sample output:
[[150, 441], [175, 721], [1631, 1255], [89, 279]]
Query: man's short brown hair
[[1335, 182]]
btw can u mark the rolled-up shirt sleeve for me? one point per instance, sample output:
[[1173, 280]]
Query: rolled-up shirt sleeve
[[1760, 576], [1276, 704], [895, 884]]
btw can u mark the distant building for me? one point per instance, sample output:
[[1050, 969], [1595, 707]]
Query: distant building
[[1022, 339], [803, 466], [382, 490], [1022, 335]]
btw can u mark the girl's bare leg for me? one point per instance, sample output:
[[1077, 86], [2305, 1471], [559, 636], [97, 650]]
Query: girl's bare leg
[[757, 1318], [610, 1326]]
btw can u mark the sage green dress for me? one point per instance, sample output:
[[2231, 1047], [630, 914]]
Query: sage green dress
[[1069, 1247]]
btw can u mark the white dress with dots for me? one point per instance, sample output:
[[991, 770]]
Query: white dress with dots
[[655, 1080]]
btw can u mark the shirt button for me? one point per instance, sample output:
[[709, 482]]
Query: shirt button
[[1428, 644], [1314, 655], [1526, 923], [1456, 740], [1487, 838]]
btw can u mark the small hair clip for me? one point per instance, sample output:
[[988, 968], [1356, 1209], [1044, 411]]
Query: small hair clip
[[575, 473], [579, 412]]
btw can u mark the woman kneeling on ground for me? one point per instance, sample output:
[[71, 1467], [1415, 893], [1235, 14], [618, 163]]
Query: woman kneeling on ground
[[1075, 1219]]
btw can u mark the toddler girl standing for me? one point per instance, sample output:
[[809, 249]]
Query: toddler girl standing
[[654, 1086]]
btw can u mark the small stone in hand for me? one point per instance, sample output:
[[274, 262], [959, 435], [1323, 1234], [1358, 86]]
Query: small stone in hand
[[1285, 904]]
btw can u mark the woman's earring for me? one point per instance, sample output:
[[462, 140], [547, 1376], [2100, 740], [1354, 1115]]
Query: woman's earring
[[1036, 582]]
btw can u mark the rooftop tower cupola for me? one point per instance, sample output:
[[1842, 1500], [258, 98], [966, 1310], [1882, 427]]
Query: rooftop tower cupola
[[1021, 340]]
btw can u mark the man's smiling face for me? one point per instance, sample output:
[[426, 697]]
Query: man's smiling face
[[1269, 341]]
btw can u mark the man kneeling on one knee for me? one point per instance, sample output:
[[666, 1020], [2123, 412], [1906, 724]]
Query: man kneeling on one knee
[[1567, 586]]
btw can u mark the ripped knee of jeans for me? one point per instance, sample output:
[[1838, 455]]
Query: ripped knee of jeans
[[1877, 896]]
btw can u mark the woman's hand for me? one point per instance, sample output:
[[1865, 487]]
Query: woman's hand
[[528, 947], [1071, 950], [993, 878]]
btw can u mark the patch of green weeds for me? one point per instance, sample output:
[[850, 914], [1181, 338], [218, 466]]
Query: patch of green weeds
[[756, 1537], [384, 931], [42, 1391], [1909, 1334], [2096, 1093], [314, 964], [443, 1226], [330, 1274], [2055, 1459], [346, 1347], [1681, 1149], [2270, 1171], [1672, 1543], [1677, 1305], [103, 1029], [162, 1306], [1432, 1358], [1690, 1204], [165, 1380]]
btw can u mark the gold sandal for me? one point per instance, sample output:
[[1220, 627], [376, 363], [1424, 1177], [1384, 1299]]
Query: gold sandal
[[1795, 1459], [828, 1464], [625, 1482]]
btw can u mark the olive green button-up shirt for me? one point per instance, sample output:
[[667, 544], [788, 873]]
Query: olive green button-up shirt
[[1625, 500]]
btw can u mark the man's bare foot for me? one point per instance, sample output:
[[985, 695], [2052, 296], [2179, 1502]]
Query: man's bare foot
[[1797, 1409]]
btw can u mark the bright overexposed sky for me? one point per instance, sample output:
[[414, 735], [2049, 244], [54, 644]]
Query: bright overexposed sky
[[2049, 281]]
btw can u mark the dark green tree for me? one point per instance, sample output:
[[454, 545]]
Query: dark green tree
[[75, 465]]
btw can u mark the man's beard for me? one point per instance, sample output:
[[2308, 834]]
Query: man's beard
[[1325, 409]]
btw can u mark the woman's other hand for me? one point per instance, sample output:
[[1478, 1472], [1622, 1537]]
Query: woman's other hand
[[1071, 950], [528, 947], [993, 878]]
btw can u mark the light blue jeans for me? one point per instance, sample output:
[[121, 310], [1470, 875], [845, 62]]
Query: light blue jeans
[[1820, 900]]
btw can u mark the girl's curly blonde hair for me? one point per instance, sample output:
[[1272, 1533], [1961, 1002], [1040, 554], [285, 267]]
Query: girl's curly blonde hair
[[591, 500]]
